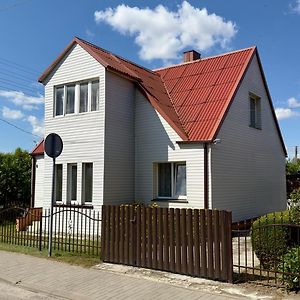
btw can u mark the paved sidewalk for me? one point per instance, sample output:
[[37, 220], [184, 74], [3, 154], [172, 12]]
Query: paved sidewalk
[[61, 281]]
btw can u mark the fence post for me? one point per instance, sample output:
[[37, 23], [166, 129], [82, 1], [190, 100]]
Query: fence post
[[229, 243], [40, 230]]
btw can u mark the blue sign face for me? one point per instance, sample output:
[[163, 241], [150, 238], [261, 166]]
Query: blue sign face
[[53, 145]]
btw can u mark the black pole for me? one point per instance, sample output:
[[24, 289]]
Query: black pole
[[51, 209]]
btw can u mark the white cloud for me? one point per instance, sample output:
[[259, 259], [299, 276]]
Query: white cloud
[[295, 8], [285, 113], [162, 34], [23, 100], [89, 33], [37, 125], [293, 103], [11, 113]]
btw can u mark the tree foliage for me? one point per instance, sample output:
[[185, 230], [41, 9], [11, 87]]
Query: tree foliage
[[15, 177], [293, 167]]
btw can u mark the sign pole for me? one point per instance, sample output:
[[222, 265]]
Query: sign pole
[[51, 209], [53, 148]]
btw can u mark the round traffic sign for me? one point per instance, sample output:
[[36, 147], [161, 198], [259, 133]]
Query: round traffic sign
[[53, 145]]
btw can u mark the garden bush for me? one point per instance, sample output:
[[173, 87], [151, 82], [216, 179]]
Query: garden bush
[[270, 242], [291, 264]]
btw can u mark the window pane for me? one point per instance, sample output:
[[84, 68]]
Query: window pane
[[180, 180], [72, 182], [87, 182], [59, 101], [95, 96], [70, 99], [164, 180], [58, 182], [252, 112], [83, 97]]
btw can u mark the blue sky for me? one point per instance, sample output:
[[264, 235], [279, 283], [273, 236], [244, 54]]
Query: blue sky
[[151, 33]]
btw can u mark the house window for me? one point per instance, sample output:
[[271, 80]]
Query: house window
[[70, 105], [87, 182], [59, 101], [58, 182], [83, 107], [95, 96], [72, 183], [171, 180], [255, 111], [76, 98]]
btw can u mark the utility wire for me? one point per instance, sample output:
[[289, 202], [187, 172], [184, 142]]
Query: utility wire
[[16, 4], [19, 128], [19, 67]]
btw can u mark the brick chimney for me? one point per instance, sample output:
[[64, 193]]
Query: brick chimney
[[191, 55]]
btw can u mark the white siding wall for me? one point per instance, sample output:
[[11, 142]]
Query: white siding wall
[[39, 181], [155, 141], [119, 140], [248, 166], [82, 134]]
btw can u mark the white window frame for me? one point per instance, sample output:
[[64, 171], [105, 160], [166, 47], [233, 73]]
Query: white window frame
[[70, 183], [173, 181], [83, 183], [77, 97], [62, 180]]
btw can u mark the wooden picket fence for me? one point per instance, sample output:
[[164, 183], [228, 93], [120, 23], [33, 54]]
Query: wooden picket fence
[[185, 241]]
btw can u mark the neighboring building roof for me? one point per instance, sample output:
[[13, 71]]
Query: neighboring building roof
[[39, 149], [193, 97]]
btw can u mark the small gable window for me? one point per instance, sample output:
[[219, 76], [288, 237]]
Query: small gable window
[[255, 111]]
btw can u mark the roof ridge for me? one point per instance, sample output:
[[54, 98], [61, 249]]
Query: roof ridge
[[116, 56], [205, 58]]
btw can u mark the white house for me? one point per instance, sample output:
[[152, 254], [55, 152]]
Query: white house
[[200, 134]]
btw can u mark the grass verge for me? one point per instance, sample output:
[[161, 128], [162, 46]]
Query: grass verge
[[82, 260]]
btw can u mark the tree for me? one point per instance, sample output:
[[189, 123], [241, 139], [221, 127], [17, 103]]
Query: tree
[[293, 167], [15, 177]]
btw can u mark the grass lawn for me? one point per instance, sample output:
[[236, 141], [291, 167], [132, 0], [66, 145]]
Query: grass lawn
[[83, 260]]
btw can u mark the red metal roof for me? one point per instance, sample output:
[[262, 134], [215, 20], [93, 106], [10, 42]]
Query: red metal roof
[[201, 91], [193, 97], [39, 149]]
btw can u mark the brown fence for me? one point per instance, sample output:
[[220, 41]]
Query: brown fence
[[193, 242]]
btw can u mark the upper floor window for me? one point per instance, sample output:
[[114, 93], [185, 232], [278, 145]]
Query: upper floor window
[[255, 111], [76, 98]]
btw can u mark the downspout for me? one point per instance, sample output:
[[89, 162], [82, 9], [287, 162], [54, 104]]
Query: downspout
[[206, 173], [33, 172]]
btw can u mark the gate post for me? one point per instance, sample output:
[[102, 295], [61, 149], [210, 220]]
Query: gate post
[[229, 245], [103, 221]]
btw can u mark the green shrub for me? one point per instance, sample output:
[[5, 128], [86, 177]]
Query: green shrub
[[291, 264], [268, 241]]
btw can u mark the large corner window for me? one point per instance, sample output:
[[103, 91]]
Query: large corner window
[[76, 98], [72, 183], [58, 182], [87, 183], [171, 179], [255, 111]]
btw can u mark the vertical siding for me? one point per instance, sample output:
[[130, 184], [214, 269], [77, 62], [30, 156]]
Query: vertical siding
[[119, 140], [155, 141], [248, 166], [82, 134], [39, 181]]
